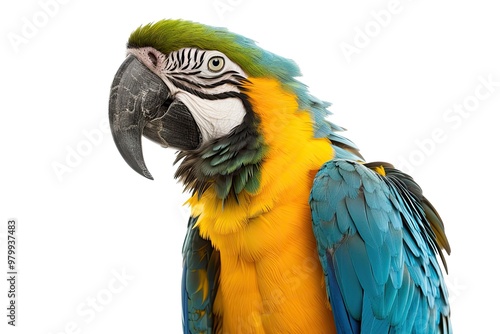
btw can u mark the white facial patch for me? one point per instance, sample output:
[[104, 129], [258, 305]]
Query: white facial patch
[[212, 74], [215, 118]]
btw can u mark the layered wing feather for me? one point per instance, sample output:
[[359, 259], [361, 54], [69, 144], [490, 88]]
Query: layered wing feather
[[378, 240], [199, 283]]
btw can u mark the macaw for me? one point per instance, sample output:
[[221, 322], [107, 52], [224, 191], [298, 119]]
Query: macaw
[[291, 230]]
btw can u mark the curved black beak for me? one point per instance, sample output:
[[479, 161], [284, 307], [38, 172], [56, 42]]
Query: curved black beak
[[137, 96], [141, 104]]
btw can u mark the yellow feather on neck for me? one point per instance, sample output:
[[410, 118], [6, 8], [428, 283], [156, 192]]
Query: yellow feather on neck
[[292, 153], [266, 233]]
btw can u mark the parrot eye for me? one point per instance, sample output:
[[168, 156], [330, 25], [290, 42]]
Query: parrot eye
[[216, 64]]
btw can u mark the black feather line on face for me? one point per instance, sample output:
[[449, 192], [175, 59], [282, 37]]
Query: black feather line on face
[[219, 96], [196, 84], [231, 163]]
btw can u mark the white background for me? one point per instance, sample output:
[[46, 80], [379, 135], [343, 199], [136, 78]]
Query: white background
[[97, 218]]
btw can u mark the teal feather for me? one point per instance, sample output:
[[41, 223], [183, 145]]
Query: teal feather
[[380, 260], [201, 262], [348, 280], [380, 238], [230, 163]]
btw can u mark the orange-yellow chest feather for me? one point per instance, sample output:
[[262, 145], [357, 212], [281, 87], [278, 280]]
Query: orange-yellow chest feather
[[271, 280]]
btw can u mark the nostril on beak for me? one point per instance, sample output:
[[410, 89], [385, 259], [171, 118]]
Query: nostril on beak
[[153, 58]]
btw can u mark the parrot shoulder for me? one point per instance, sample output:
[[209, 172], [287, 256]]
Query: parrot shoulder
[[378, 239]]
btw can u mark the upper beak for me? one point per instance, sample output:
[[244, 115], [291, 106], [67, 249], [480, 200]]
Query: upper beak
[[141, 104], [137, 97]]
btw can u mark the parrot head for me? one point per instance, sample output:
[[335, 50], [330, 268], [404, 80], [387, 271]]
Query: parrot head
[[215, 96]]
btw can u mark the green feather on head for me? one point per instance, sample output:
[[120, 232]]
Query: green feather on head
[[171, 35]]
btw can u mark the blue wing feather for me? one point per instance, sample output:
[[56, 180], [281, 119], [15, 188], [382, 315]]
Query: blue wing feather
[[199, 283], [378, 250], [347, 324]]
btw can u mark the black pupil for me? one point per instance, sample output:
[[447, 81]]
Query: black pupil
[[216, 62]]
